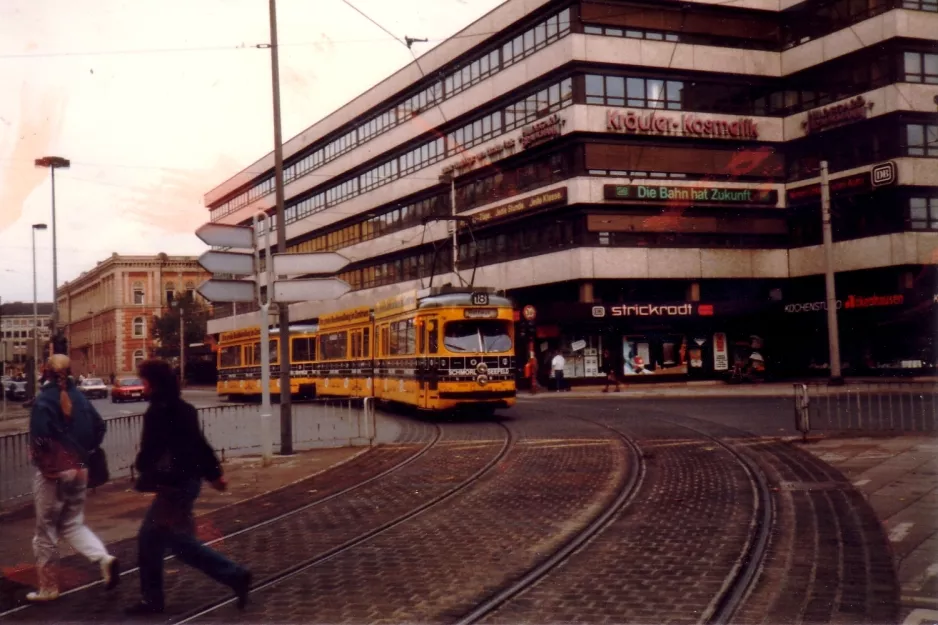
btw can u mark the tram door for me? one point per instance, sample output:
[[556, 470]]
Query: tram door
[[427, 365]]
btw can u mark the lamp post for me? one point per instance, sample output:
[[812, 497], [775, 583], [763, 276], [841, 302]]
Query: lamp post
[[53, 162], [35, 305]]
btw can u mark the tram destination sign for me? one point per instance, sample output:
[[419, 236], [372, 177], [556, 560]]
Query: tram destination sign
[[690, 195]]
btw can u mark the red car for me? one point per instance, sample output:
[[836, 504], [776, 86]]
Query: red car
[[127, 389]]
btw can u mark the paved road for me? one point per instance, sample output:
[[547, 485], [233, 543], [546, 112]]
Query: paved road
[[469, 510]]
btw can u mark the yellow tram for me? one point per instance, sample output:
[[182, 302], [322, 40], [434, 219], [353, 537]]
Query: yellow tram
[[435, 349]]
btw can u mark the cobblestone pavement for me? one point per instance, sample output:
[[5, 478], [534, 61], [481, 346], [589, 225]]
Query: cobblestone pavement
[[559, 475]]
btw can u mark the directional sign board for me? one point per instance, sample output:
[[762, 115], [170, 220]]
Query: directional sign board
[[310, 289], [315, 262], [223, 235], [227, 290], [227, 262]]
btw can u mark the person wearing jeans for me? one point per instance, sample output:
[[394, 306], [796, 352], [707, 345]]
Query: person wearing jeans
[[173, 460], [63, 428]]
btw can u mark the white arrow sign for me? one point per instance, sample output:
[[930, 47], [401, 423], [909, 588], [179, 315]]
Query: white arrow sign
[[223, 235], [310, 289], [315, 262], [227, 262], [227, 290]]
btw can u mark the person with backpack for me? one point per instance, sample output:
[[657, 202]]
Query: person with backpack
[[173, 460], [64, 429]]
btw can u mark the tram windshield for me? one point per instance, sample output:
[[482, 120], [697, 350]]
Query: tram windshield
[[487, 337]]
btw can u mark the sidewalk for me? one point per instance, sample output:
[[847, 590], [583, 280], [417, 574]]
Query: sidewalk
[[897, 475], [115, 511]]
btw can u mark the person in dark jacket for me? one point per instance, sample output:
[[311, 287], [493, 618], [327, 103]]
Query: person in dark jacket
[[173, 460], [63, 429]]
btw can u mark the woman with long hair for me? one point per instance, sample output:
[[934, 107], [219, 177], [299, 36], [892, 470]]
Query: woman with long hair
[[173, 460], [63, 429]]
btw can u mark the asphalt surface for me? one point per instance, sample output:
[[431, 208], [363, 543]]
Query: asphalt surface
[[458, 512]]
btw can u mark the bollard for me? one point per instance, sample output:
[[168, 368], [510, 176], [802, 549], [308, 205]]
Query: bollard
[[802, 411]]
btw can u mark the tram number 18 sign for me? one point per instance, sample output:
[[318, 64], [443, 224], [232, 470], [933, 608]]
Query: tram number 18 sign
[[480, 299]]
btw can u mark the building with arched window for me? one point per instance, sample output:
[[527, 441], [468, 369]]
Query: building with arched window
[[107, 313]]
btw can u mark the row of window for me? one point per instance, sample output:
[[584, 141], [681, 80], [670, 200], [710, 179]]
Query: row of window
[[484, 65], [543, 102], [638, 92], [923, 213], [921, 67], [921, 140]]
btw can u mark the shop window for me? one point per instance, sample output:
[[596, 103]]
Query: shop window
[[921, 67], [923, 213]]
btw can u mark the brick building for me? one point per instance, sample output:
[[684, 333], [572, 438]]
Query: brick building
[[107, 313], [16, 332]]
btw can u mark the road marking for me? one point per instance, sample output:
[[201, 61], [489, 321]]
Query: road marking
[[930, 572], [900, 532], [862, 482]]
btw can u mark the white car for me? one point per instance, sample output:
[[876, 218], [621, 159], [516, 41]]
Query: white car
[[93, 388]]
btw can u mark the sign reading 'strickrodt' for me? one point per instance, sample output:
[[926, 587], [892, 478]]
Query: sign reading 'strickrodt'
[[695, 195], [680, 124]]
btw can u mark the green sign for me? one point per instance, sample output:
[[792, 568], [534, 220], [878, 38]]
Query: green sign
[[689, 195]]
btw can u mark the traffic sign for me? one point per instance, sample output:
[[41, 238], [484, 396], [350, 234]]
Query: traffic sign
[[223, 235], [227, 290], [529, 312], [310, 289], [314, 262], [227, 262]]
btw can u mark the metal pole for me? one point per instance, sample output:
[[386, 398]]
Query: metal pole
[[452, 201], [182, 348], [266, 411], [55, 271], [35, 315], [93, 368], [286, 412], [833, 332]]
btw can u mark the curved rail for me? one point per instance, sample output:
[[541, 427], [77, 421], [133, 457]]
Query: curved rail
[[438, 433], [627, 492], [338, 550]]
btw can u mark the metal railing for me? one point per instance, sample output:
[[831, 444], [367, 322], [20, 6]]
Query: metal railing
[[874, 406], [232, 430]]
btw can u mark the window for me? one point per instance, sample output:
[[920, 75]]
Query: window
[[139, 357], [637, 92], [403, 338], [921, 5], [921, 67], [654, 35], [923, 213], [366, 343], [138, 293], [921, 139], [229, 356], [139, 328], [304, 349], [333, 346], [536, 38], [170, 290], [190, 289], [477, 336]]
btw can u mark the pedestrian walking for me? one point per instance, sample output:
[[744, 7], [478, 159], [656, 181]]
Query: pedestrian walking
[[64, 428], [557, 364], [173, 460], [530, 370], [609, 368]]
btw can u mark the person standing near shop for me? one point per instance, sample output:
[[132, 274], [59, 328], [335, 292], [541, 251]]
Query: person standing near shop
[[557, 365], [610, 370], [174, 458], [531, 371], [63, 429]]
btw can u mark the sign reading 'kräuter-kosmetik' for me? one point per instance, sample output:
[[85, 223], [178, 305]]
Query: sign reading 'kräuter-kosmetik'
[[680, 124]]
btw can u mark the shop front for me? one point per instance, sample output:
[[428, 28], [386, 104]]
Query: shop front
[[647, 341]]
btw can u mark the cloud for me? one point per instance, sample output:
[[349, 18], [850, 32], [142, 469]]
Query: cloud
[[38, 129]]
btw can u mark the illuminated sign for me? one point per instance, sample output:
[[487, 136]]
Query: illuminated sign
[[644, 310], [856, 109], [480, 313], [846, 185], [883, 175], [530, 313], [695, 195], [680, 124], [484, 157], [542, 131], [720, 352], [852, 302], [541, 200]]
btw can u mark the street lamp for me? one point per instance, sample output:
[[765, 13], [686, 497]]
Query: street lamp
[[35, 302], [53, 162]]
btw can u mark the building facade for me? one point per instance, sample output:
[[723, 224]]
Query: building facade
[[107, 313], [644, 180], [17, 329]]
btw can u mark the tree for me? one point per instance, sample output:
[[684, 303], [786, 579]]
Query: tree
[[166, 327]]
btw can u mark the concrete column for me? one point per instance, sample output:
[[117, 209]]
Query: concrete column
[[586, 293]]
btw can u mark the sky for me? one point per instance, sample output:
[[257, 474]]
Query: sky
[[155, 102]]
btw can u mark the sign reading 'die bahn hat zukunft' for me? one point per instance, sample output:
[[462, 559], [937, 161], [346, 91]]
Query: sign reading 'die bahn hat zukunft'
[[694, 195]]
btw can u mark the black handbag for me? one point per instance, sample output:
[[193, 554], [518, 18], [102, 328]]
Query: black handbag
[[95, 461]]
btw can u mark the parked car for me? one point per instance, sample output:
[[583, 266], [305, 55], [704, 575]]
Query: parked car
[[16, 390], [93, 388], [127, 389]]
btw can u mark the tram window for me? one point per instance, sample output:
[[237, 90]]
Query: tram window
[[385, 341], [304, 349], [333, 346], [433, 340], [356, 344], [411, 337], [366, 343], [273, 346], [394, 344], [421, 337], [230, 356], [477, 336]]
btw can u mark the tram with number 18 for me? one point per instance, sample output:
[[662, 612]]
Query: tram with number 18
[[437, 349]]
